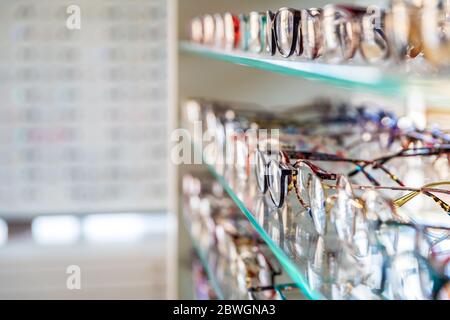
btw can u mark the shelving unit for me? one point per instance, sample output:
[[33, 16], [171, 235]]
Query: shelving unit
[[406, 89]]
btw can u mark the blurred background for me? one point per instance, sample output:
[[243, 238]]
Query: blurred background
[[84, 173], [91, 91]]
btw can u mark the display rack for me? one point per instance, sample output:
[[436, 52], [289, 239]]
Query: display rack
[[411, 88]]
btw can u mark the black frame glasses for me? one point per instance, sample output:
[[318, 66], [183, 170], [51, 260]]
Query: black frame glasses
[[286, 28]]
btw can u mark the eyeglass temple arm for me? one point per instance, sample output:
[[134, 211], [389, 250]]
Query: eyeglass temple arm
[[318, 156], [415, 152], [379, 163], [426, 191], [323, 174]]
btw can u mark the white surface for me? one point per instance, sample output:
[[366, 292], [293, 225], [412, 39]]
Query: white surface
[[83, 113], [113, 268]]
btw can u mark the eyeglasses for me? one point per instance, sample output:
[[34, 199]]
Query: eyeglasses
[[403, 28], [219, 31], [337, 32], [405, 153], [436, 31], [305, 178], [256, 32], [364, 251], [208, 29], [353, 258], [286, 28], [196, 31], [373, 45], [244, 31], [352, 240], [247, 259], [408, 270], [231, 30], [271, 45], [341, 33], [311, 33], [235, 147]]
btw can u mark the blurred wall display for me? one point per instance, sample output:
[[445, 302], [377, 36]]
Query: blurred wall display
[[83, 112]]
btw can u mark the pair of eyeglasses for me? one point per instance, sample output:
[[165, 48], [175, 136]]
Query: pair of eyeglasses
[[256, 268], [336, 32], [216, 30], [348, 29], [280, 177], [362, 251], [230, 31], [409, 272], [403, 25], [230, 235], [252, 32], [414, 27], [436, 31]]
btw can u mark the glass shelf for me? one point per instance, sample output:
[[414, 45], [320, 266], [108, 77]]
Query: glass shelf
[[386, 80]]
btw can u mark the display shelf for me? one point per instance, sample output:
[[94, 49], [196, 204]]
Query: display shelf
[[293, 269], [386, 80]]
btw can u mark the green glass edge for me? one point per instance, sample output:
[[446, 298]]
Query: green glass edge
[[287, 264], [388, 86], [280, 287], [209, 272]]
